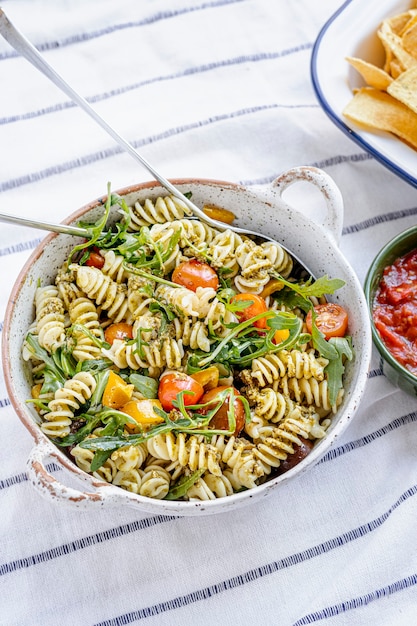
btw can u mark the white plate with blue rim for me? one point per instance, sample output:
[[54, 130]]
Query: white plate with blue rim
[[352, 31]]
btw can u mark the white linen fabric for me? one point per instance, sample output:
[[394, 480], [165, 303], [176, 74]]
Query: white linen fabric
[[215, 89]]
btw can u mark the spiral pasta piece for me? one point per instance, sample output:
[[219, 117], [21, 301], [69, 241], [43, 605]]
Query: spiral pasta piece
[[279, 258], [106, 293], [210, 487], [130, 480], [67, 400], [65, 283], [50, 318], [184, 301], [163, 209], [113, 266], [309, 391], [155, 482], [82, 311], [193, 334], [254, 265], [83, 458], [192, 452], [294, 364], [222, 251], [129, 457]]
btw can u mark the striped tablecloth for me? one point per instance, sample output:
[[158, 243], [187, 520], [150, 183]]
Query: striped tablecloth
[[212, 89]]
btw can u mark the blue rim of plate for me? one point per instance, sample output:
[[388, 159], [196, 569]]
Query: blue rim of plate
[[335, 117]]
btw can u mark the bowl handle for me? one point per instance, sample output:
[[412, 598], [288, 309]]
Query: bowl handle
[[52, 489], [333, 221]]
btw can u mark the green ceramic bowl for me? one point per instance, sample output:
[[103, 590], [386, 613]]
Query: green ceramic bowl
[[397, 247]]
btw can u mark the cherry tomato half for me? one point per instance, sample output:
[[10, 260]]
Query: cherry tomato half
[[220, 421], [170, 386], [258, 306], [95, 259], [331, 320], [121, 330], [193, 274]]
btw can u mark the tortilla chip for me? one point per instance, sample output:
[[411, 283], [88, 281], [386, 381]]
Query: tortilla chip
[[373, 76], [410, 23], [393, 42], [378, 110], [395, 68], [397, 23], [409, 39], [404, 88]]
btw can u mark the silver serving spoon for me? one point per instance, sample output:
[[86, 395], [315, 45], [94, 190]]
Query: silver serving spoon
[[22, 45]]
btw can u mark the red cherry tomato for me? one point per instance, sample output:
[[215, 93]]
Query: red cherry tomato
[[95, 259], [193, 274], [331, 320], [220, 421], [121, 330], [170, 386], [258, 306]]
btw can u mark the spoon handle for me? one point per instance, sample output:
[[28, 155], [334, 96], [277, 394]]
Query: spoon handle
[[22, 45], [55, 228]]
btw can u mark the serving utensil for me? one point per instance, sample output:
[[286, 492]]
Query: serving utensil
[[23, 46]]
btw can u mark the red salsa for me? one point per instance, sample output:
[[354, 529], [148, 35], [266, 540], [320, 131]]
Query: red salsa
[[395, 310]]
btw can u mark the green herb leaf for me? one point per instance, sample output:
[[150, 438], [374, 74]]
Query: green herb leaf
[[183, 485], [146, 385], [335, 368]]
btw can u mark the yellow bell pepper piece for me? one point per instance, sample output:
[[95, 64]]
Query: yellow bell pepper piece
[[218, 213], [274, 285], [116, 392], [208, 378], [142, 412], [281, 335]]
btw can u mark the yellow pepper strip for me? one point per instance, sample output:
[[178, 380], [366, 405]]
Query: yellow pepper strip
[[208, 378], [281, 335], [218, 213], [273, 285], [116, 392], [142, 412]]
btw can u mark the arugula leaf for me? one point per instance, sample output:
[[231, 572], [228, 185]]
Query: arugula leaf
[[101, 456], [318, 288], [96, 229], [183, 485], [335, 368], [147, 386], [54, 374]]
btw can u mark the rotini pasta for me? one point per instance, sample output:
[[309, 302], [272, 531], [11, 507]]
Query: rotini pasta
[[161, 378]]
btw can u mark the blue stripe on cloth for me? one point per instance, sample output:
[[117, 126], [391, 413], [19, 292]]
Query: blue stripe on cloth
[[358, 602], [199, 69], [379, 219], [376, 434], [259, 572], [157, 17], [84, 542], [329, 162], [17, 479], [20, 247], [88, 159]]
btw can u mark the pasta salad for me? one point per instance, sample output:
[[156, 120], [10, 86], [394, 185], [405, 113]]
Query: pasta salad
[[180, 361]]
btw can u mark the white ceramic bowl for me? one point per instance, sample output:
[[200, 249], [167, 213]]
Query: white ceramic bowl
[[262, 210]]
